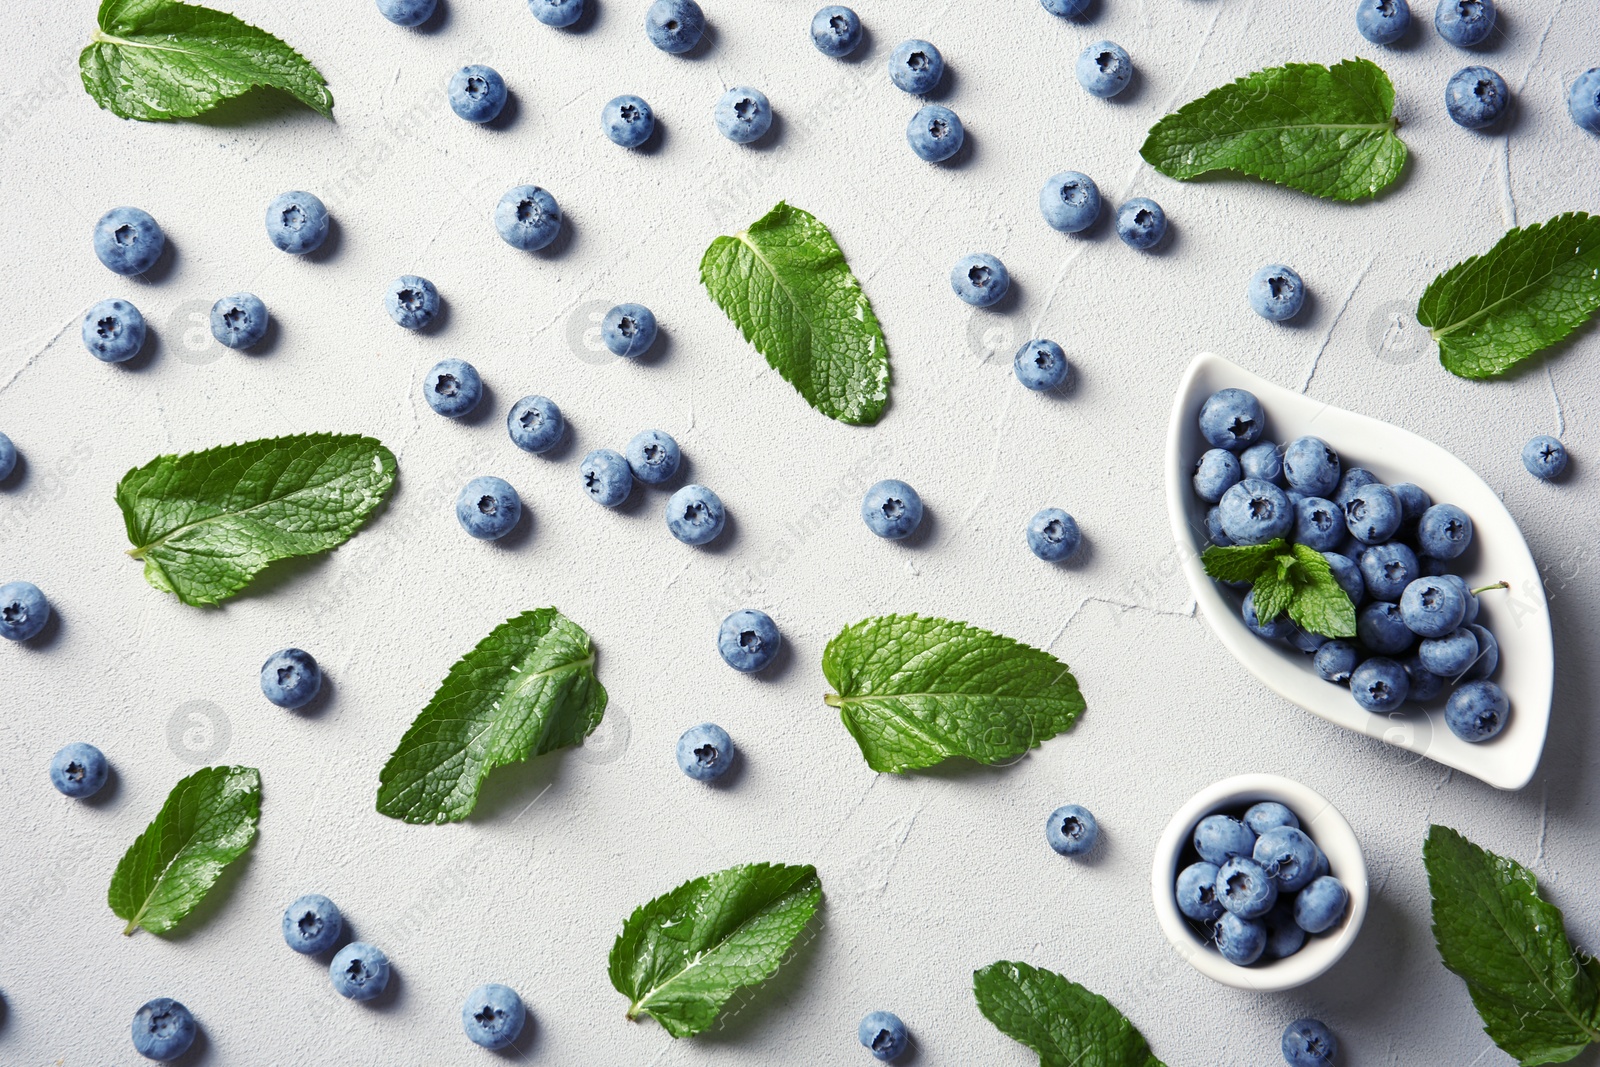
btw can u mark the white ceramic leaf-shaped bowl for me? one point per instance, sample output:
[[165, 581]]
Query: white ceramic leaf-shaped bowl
[[1518, 617]]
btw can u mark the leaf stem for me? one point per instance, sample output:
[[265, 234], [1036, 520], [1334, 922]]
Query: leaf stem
[[833, 700], [1493, 585]]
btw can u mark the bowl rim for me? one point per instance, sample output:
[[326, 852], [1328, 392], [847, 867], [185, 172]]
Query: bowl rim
[[1327, 828], [1522, 623]]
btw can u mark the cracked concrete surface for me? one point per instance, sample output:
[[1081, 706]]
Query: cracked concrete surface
[[933, 874]]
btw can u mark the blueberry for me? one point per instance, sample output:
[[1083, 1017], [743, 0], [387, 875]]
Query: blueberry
[[1372, 514], [163, 1030], [527, 217], [1583, 100], [535, 424], [239, 321], [1232, 419], [628, 121], [407, 12], [1488, 653], [1141, 223], [359, 971], [607, 478], [628, 330], [653, 457], [883, 1034], [1284, 936], [1352, 479], [705, 752], [1214, 531], [1475, 97], [1070, 201], [412, 302], [916, 66], [113, 331], [8, 457], [297, 223], [1444, 531], [556, 13], [1383, 21], [695, 515], [1042, 365], [1278, 629], [477, 93], [748, 640], [1413, 502], [1348, 574], [23, 611], [1269, 815], [1053, 535], [312, 924], [1544, 457], [79, 770], [1321, 904], [1449, 656], [1422, 684], [493, 1016], [1197, 892], [1311, 466], [1387, 570], [1464, 23], [1382, 630], [674, 25], [1477, 711], [835, 30], [935, 133], [1241, 941], [1433, 608], [1215, 473], [1307, 1042], [290, 678], [128, 240], [1071, 830], [980, 279], [1104, 69], [1288, 856], [452, 388], [1466, 591], [1276, 293], [1067, 9], [1255, 512], [1380, 685], [1263, 461], [1319, 524], [1336, 661], [1219, 838], [1305, 640], [743, 114], [892, 509], [488, 508]]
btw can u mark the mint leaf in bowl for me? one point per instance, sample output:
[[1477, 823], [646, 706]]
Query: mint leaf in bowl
[[160, 59], [1327, 131]]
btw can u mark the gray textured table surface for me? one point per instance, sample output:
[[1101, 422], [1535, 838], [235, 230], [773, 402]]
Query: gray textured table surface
[[927, 876]]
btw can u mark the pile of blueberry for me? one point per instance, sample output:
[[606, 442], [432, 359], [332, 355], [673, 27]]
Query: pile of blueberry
[[1390, 549], [1260, 887]]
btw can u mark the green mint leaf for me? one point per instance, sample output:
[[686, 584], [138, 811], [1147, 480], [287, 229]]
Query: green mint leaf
[[682, 956], [1240, 563], [526, 689], [914, 691], [1325, 131], [1538, 1001], [1319, 606], [205, 523], [1534, 287], [159, 59], [1066, 1024], [1272, 596], [208, 821], [785, 283]]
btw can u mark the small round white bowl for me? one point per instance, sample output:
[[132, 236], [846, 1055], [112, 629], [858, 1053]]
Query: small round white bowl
[[1317, 818]]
